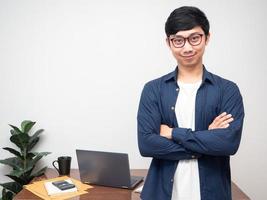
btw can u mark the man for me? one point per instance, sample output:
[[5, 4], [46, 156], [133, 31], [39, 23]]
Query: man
[[190, 120]]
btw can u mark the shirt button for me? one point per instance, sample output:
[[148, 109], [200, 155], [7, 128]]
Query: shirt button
[[193, 157], [177, 89], [172, 180], [172, 107]]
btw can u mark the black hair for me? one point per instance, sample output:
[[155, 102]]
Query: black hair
[[186, 18]]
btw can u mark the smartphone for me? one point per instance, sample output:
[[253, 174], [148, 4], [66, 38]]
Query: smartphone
[[63, 185]]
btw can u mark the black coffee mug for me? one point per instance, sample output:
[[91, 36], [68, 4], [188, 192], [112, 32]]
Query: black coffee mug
[[63, 163]]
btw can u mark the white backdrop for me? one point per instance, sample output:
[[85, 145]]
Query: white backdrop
[[77, 67]]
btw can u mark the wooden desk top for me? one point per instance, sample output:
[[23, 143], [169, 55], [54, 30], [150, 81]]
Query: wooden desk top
[[108, 193]]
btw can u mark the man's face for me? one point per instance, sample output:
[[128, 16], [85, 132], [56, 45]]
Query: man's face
[[188, 52]]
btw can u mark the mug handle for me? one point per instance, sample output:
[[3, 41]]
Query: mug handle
[[53, 163]]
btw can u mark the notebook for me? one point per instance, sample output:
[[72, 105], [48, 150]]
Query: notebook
[[106, 169]]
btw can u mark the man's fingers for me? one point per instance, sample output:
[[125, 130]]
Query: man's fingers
[[224, 118], [225, 126], [222, 121], [228, 121], [220, 116]]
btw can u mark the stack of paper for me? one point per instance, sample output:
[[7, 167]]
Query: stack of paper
[[39, 189], [139, 189], [53, 190]]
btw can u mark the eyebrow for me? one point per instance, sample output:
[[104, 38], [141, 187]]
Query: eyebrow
[[188, 35]]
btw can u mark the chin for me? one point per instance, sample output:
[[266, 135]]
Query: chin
[[189, 63]]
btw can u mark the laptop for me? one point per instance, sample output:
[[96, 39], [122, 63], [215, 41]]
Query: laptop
[[106, 169]]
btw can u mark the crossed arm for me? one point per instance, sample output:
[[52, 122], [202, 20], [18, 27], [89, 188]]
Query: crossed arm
[[160, 141], [221, 121]]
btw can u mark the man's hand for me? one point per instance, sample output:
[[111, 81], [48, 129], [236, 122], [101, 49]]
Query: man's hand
[[165, 131], [221, 121]]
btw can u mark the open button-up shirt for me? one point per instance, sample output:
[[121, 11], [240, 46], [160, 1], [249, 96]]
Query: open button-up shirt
[[212, 148]]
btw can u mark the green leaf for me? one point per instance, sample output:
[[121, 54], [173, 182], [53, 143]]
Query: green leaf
[[38, 156], [12, 132], [21, 172], [36, 134], [23, 178], [40, 172], [33, 143], [16, 129], [21, 140], [15, 152], [20, 180], [41, 153], [34, 139], [13, 162], [7, 195], [30, 156], [26, 126], [12, 186]]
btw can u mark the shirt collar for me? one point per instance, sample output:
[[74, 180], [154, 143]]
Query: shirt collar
[[205, 78]]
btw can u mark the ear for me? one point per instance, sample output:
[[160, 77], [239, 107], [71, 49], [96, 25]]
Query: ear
[[207, 39]]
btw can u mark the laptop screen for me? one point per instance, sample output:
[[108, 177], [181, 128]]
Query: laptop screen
[[104, 168]]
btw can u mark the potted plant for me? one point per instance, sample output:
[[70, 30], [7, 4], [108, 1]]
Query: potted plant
[[24, 160]]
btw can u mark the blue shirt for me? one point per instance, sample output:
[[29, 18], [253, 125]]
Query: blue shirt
[[212, 148]]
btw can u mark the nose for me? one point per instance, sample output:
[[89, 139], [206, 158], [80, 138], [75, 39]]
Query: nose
[[187, 47]]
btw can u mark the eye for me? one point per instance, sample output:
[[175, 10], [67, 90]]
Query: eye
[[178, 41], [194, 38]]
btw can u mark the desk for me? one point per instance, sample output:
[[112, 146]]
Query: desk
[[107, 193]]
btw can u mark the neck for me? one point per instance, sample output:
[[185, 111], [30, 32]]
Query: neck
[[190, 74]]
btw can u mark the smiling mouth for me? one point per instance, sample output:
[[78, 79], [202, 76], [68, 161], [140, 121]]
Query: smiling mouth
[[189, 57]]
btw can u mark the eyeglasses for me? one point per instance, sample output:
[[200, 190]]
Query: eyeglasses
[[179, 41]]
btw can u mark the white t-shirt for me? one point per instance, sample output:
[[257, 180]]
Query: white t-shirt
[[186, 179]]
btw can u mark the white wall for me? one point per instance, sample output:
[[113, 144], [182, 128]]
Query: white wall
[[78, 67]]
